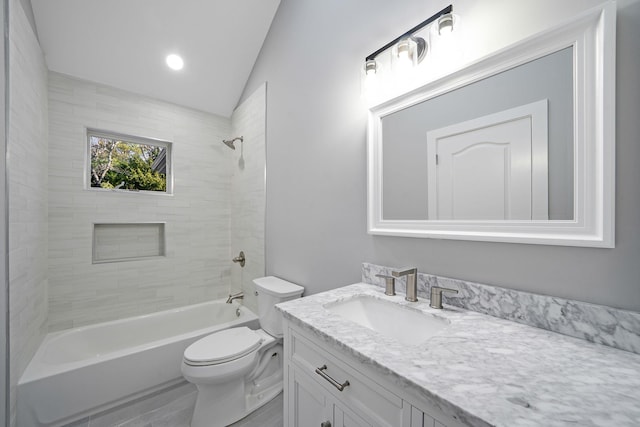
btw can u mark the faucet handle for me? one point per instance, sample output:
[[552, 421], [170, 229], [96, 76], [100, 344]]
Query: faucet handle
[[436, 296], [240, 259], [390, 284]]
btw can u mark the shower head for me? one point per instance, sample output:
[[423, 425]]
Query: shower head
[[229, 142]]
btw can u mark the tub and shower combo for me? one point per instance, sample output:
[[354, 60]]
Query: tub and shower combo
[[86, 370]]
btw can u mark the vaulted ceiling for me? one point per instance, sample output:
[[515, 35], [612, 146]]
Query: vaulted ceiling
[[124, 43]]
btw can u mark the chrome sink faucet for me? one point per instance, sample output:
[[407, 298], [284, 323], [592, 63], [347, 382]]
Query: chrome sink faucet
[[239, 295], [412, 282]]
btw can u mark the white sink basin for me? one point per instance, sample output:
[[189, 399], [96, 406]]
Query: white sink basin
[[401, 323]]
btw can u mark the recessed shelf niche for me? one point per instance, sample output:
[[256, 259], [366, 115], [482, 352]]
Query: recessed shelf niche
[[118, 242]]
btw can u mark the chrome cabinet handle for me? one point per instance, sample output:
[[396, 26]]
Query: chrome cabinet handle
[[321, 371]]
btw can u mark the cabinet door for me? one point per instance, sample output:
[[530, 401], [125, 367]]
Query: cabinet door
[[345, 418], [421, 419], [308, 403], [362, 396]]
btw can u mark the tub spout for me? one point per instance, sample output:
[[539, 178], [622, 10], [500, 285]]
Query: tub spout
[[239, 295]]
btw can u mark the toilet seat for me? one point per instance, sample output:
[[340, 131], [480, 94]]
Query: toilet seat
[[223, 346]]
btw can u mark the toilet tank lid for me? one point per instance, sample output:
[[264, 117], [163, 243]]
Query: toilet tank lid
[[275, 286]]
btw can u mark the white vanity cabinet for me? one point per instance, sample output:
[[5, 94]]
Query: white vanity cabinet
[[312, 406], [315, 371]]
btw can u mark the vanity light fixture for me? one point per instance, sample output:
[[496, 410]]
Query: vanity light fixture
[[409, 48]]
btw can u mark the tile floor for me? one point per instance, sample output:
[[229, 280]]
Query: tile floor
[[173, 407], [178, 414]]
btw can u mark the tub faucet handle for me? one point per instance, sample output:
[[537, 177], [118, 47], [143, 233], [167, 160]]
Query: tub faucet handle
[[240, 259], [239, 295]]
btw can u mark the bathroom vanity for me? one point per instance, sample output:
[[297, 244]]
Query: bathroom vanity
[[327, 387], [474, 369]]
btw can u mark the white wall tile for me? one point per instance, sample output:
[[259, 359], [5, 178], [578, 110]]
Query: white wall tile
[[115, 241], [197, 215], [248, 193], [27, 176]]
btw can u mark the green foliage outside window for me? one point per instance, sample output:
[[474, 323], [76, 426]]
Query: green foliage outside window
[[126, 165]]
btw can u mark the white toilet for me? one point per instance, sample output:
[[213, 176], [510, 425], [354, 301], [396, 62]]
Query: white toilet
[[238, 370]]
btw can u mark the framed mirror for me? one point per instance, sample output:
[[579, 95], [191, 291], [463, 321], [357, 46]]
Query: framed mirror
[[516, 147]]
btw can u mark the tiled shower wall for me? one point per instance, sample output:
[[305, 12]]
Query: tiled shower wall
[[27, 176], [197, 263], [248, 193]]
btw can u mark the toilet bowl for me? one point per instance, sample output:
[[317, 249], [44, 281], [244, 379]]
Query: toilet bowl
[[238, 370]]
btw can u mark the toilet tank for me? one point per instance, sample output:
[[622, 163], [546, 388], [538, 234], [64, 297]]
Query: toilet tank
[[271, 291]]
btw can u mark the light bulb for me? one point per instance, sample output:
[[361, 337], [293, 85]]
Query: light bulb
[[175, 62], [369, 78], [370, 67], [404, 54], [404, 49], [445, 24]]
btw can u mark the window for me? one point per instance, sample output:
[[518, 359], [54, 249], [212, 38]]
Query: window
[[128, 163]]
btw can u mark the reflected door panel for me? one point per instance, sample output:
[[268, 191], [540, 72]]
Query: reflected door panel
[[484, 169], [482, 178]]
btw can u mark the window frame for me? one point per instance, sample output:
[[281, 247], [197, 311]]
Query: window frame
[[167, 145]]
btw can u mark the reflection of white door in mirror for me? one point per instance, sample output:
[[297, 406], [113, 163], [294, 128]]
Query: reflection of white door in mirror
[[490, 168]]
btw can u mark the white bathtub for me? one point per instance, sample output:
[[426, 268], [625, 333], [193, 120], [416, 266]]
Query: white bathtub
[[83, 371]]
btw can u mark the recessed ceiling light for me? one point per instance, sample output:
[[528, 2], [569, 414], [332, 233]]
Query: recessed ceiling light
[[175, 62]]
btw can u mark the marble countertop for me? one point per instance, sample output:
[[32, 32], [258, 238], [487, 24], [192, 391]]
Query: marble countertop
[[487, 371]]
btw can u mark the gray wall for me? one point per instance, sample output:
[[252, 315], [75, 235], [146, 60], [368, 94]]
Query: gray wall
[[28, 11], [316, 172], [4, 289]]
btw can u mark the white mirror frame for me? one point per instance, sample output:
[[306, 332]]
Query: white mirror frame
[[592, 36]]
